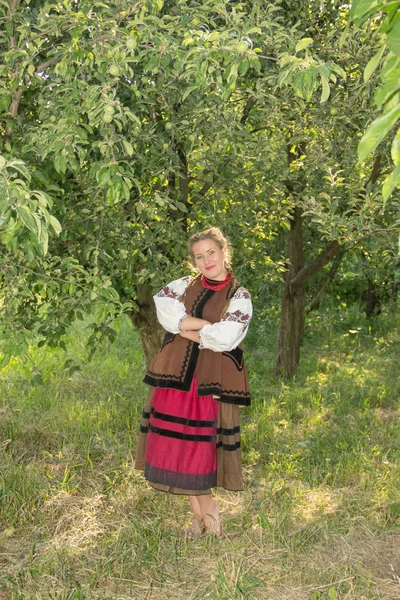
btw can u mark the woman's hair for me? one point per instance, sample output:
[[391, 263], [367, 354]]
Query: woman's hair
[[215, 234]]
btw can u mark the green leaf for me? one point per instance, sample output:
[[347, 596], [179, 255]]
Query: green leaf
[[376, 132], [188, 91], [60, 163], [395, 150], [391, 182], [373, 63], [304, 84], [332, 594], [27, 218], [394, 38], [326, 90], [360, 8], [304, 43], [344, 36], [103, 176], [128, 147], [55, 223]]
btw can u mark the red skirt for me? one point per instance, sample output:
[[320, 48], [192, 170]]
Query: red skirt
[[181, 441], [188, 444]]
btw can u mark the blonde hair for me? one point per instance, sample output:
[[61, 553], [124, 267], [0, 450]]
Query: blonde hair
[[215, 234]]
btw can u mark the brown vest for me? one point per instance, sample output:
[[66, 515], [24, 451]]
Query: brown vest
[[221, 374]]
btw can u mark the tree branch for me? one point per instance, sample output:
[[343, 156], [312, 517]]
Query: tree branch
[[12, 8], [306, 272]]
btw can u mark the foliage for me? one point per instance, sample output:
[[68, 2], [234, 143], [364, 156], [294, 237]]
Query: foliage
[[387, 94], [142, 121], [24, 214]]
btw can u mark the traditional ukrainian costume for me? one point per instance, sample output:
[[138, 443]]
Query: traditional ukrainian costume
[[189, 437]]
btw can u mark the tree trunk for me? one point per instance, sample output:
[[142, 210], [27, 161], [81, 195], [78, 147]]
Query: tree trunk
[[373, 301], [145, 320], [291, 326]]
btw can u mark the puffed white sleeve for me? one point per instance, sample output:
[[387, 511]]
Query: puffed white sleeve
[[170, 311], [227, 334]]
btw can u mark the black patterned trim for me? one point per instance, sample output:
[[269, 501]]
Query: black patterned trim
[[215, 385], [230, 396], [185, 481], [228, 447], [168, 339], [231, 431], [236, 355], [187, 437], [145, 415], [151, 376], [181, 420], [234, 400]]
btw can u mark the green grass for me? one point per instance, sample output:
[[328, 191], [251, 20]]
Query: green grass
[[320, 515]]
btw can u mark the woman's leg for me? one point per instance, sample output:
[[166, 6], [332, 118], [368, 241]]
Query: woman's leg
[[207, 508]]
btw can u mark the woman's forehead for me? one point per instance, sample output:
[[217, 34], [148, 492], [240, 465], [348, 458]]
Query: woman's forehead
[[204, 246]]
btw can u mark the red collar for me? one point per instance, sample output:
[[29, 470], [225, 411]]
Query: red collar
[[212, 284]]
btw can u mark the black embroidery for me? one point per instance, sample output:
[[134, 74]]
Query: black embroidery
[[168, 338], [230, 396], [237, 356]]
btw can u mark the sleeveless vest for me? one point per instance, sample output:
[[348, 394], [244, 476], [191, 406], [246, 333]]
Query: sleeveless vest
[[220, 374]]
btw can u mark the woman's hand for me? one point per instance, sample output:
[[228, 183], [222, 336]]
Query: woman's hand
[[190, 335], [193, 324]]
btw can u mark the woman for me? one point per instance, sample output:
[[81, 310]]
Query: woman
[[189, 437]]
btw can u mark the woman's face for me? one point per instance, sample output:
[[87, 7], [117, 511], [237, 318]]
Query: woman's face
[[209, 259]]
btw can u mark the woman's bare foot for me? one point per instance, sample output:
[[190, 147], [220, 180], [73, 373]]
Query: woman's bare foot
[[212, 521], [196, 529], [206, 516]]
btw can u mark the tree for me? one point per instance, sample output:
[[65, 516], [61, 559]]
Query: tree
[[108, 108], [140, 120]]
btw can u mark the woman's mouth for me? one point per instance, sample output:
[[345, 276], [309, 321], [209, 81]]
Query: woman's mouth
[[209, 268]]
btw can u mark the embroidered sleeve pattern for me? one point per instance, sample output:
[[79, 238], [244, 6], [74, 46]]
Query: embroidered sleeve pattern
[[174, 289], [241, 294], [170, 310], [167, 292], [239, 315]]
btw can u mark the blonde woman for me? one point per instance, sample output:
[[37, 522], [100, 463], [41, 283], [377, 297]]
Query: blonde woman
[[189, 439]]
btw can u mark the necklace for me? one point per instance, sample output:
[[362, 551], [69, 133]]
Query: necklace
[[212, 284]]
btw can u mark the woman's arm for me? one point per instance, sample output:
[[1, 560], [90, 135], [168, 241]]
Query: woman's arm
[[193, 336], [225, 335], [192, 324], [170, 310]]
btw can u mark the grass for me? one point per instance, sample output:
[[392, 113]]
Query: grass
[[320, 516]]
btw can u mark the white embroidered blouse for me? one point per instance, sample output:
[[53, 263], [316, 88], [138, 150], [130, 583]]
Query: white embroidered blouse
[[222, 336]]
